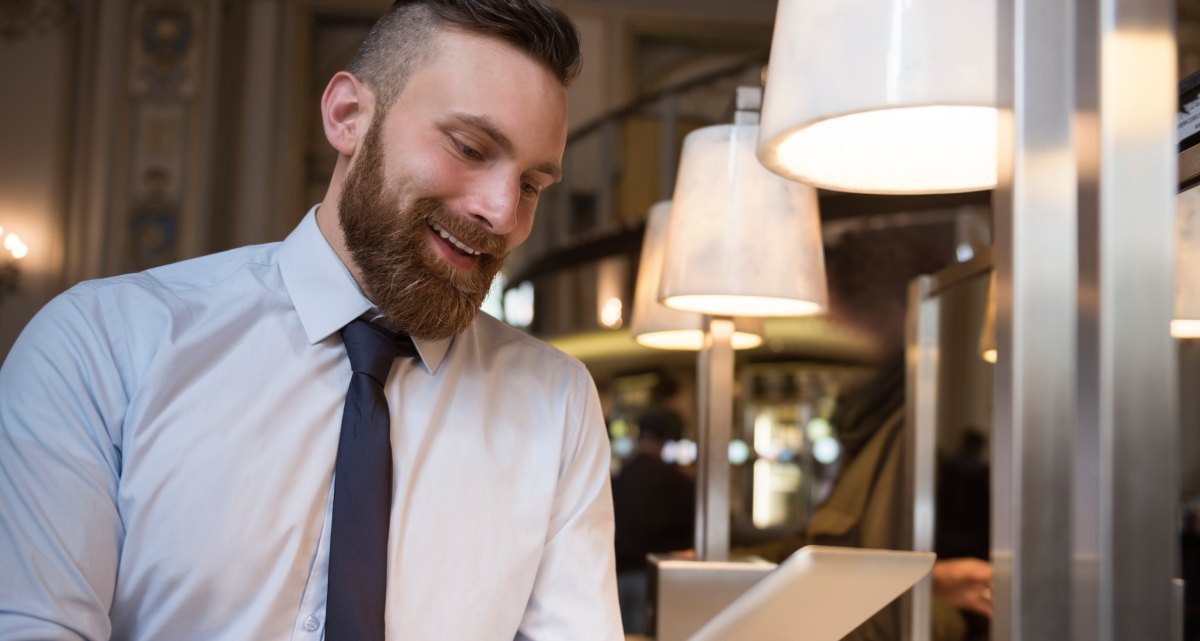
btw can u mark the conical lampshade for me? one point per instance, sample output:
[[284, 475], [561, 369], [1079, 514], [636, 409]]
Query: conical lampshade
[[1186, 320], [741, 241], [887, 98], [656, 325]]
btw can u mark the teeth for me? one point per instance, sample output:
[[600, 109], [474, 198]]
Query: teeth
[[452, 240]]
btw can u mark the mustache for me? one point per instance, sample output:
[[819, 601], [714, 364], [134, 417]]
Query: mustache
[[461, 227]]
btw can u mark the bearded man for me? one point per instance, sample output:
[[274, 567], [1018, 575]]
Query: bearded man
[[321, 437]]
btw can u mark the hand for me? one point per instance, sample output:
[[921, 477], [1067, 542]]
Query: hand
[[964, 583]]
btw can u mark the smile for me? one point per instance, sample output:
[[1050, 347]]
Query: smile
[[462, 247]]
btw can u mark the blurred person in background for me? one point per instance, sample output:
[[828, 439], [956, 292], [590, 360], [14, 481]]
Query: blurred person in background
[[654, 503]]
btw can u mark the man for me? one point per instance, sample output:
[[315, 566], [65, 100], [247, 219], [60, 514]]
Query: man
[[655, 508], [169, 439]]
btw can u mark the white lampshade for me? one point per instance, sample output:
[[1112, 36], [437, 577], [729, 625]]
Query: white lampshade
[[656, 325], [741, 241], [883, 97], [1186, 320]]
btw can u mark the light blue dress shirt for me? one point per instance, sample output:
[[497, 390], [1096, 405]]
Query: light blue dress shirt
[[167, 443]]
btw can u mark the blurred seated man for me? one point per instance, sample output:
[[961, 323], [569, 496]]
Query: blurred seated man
[[654, 504]]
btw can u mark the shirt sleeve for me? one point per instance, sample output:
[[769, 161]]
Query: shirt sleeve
[[575, 593], [61, 402]]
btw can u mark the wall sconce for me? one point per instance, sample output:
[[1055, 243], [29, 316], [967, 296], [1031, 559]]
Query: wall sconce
[[10, 272], [741, 241], [884, 98], [655, 325], [1185, 322]]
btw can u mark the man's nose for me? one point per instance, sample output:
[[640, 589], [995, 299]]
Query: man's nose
[[495, 203]]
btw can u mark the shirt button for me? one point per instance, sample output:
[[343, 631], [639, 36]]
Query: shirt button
[[311, 624]]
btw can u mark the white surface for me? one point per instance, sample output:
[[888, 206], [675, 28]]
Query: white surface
[[818, 594]]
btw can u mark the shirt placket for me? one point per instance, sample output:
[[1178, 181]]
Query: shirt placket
[[310, 617]]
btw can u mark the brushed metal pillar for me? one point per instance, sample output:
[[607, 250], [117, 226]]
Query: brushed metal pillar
[[1084, 461], [921, 361], [715, 369], [1127, 88], [1035, 252]]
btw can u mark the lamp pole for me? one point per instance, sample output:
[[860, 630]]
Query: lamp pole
[[715, 369]]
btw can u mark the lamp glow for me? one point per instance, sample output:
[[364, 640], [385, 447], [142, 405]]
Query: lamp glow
[[655, 325], [892, 151], [610, 313], [885, 98], [1184, 328], [741, 240]]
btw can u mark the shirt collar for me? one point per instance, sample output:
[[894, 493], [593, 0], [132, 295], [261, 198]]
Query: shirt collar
[[325, 294]]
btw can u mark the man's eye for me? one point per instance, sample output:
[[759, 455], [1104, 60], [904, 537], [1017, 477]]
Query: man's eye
[[530, 189], [468, 151]]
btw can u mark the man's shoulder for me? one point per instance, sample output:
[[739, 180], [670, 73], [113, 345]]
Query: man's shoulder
[[191, 274], [138, 298], [517, 350], [213, 269]]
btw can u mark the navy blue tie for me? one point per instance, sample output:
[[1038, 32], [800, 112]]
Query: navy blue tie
[[362, 489]]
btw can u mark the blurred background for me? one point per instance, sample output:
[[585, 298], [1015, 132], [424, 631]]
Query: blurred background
[[135, 133]]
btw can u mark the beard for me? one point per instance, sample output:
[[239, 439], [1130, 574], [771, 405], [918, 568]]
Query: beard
[[413, 287]]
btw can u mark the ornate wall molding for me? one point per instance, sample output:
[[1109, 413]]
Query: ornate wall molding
[[21, 18], [167, 44]]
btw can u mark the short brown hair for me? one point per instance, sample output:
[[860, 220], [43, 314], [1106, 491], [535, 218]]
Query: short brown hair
[[403, 38]]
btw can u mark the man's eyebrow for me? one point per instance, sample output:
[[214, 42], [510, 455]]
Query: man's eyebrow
[[489, 128]]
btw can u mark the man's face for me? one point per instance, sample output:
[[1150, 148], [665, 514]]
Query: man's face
[[445, 183]]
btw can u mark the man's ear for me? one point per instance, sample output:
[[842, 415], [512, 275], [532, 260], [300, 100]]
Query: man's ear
[[346, 110]]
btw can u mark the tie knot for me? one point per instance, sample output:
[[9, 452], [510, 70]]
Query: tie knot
[[372, 349]]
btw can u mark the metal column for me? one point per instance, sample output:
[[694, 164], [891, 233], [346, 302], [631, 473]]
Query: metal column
[[1035, 245], [1127, 253], [1084, 480], [715, 367]]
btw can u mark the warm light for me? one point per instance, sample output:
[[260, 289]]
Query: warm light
[[20, 251], [741, 240], [1185, 328], [882, 97], [760, 510], [744, 305], [989, 355], [655, 325], [610, 313], [914, 150], [12, 241], [692, 339]]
